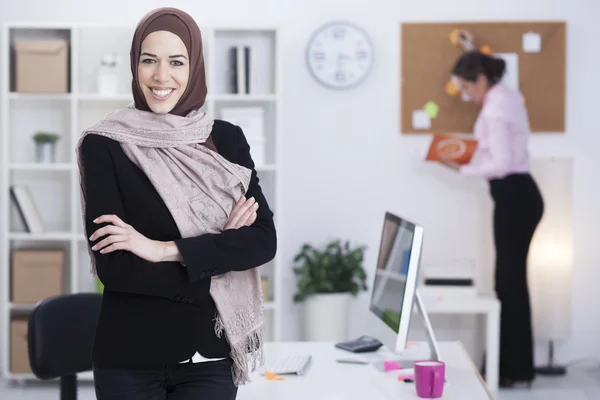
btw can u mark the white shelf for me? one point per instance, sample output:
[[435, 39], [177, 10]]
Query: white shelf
[[40, 96], [243, 97], [41, 167], [101, 97], [266, 167], [127, 97], [45, 236], [269, 305], [21, 307], [55, 187]]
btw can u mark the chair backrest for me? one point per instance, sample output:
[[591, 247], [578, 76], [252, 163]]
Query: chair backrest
[[60, 334]]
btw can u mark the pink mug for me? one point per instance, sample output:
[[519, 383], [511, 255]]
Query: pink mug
[[429, 378]]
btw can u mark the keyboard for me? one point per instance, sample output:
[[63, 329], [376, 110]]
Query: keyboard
[[288, 365]]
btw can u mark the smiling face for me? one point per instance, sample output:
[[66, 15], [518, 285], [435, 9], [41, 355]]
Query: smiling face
[[163, 70], [475, 90]]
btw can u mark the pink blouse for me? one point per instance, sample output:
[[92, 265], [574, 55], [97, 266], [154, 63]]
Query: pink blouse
[[502, 131]]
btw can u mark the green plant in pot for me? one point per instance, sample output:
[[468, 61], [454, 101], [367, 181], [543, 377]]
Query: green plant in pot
[[327, 279], [45, 143]]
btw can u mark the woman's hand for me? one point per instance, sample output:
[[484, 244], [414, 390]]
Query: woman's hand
[[121, 236], [243, 213], [450, 164]]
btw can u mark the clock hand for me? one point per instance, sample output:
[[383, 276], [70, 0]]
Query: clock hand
[[339, 60]]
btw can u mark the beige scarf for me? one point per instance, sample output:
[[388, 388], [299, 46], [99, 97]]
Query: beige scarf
[[199, 187]]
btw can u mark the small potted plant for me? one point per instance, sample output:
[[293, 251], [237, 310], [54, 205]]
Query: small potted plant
[[108, 79], [45, 145], [327, 279]]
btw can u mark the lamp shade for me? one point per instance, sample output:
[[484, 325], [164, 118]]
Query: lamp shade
[[550, 263]]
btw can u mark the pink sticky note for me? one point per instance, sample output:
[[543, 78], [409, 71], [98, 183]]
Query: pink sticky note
[[390, 366]]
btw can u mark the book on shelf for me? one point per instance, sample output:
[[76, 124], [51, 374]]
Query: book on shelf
[[28, 212], [239, 69], [451, 147]]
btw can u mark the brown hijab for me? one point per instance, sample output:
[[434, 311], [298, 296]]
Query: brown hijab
[[183, 25]]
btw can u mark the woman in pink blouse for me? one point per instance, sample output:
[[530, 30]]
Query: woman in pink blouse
[[502, 158]]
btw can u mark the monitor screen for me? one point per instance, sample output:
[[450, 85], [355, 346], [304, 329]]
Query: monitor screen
[[392, 272]]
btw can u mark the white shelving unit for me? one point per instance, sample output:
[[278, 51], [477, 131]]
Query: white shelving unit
[[55, 187]]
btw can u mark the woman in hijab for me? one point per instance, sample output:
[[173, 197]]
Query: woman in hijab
[[178, 226]]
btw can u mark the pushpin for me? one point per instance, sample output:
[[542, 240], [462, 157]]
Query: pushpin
[[487, 50], [454, 36], [451, 88]]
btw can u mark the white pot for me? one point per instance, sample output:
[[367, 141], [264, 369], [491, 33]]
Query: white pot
[[108, 82], [45, 153], [326, 317]]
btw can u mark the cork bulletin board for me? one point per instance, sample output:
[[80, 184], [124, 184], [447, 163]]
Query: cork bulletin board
[[427, 57]]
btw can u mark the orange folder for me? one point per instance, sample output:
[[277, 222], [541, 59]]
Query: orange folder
[[451, 147]]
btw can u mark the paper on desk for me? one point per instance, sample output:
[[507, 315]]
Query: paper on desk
[[420, 120], [532, 42], [432, 109], [511, 76]]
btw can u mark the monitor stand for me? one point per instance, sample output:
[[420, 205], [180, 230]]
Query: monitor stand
[[405, 360], [434, 350]]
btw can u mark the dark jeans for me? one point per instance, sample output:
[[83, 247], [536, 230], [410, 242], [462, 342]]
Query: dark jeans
[[518, 208], [200, 381]]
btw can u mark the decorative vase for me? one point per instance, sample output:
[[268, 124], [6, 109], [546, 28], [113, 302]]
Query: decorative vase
[[108, 81], [326, 317], [44, 152]]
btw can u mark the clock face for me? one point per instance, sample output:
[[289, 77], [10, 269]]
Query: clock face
[[339, 55]]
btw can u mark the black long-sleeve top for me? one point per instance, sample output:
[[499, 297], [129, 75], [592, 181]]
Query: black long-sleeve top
[[162, 313]]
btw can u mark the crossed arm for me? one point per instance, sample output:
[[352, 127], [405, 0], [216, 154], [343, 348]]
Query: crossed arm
[[127, 261]]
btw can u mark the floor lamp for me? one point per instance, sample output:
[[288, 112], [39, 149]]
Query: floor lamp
[[551, 258]]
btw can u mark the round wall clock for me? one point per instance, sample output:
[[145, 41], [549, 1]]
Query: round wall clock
[[339, 55]]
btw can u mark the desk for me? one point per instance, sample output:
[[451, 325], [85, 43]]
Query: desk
[[325, 379], [484, 305]]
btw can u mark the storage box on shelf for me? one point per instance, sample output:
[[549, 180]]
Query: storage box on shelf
[[36, 270], [251, 121], [41, 59], [86, 75], [42, 66], [19, 352], [257, 118], [36, 275]]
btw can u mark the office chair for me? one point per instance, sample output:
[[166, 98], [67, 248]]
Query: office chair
[[60, 335]]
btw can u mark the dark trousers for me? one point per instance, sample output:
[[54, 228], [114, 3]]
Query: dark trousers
[[518, 208], [200, 381]]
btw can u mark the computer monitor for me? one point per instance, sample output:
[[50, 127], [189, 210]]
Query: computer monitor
[[394, 289]]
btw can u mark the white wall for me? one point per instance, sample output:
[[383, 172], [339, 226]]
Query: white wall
[[355, 165]]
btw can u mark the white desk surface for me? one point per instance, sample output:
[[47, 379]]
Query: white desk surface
[[325, 379]]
